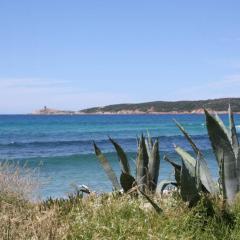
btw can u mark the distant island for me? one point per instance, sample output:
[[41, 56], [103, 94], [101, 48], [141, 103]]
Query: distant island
[[158, 107]]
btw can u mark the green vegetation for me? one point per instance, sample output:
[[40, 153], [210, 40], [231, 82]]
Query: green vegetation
[[196, 208], [147, 166], [117, 217], [164, 106], [192, 177]]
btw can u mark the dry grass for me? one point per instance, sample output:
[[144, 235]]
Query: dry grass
[[108, 216], [20, 217], [17, 180]]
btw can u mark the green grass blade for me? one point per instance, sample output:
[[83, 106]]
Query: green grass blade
[[107, 167]]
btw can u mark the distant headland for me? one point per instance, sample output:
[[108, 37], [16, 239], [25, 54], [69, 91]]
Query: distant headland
[[158, 107]]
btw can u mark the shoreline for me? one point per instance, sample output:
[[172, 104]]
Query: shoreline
[[128, 113]]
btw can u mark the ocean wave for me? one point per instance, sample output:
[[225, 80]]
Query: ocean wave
[[59, 143]]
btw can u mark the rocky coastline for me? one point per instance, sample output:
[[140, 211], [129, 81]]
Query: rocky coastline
[[51, 111]]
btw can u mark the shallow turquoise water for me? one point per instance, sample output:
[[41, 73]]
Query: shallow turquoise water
[[61, 146]]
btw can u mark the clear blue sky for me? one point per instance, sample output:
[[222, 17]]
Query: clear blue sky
[[75, 54]]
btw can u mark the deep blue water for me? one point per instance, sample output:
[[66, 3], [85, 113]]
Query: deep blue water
[[61, 146]]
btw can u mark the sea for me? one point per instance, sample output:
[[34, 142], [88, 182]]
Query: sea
[[60, 148]]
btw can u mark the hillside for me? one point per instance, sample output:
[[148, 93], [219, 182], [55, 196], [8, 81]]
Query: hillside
[[219, 105]]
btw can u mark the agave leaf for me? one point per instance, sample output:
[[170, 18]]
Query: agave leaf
[[149, 143], [122, 157], [222, 147], [138, 141], [221, 123], [238, 168], [148, 147], [233, 132], [186, 157], [142, 164], [188, 137], [155, 206], [197, 173], [153, 165], [205, 172], [127, 181], [222, 176], [177, 169], [205, 175], [163, 184], [107, 167], [188, 190], [150, 140]]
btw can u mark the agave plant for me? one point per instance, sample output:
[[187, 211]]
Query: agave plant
[[225, 146], [147, 166], [187, 177], [193, 175]]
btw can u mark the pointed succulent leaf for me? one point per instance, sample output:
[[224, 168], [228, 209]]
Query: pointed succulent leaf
[[107, 167], [238, 168], [153, 165], [122, 157], [188, 190], [149, 143], [150, 140], [188, 137], [205, 172], [186, 157], [177, 169], [222, 147], [163, 184], [138, 141], [148, 147], [224, 128], [197, 174], [127, 181], [142, 164], [155, 206], [205, 175], [222, 175], [233, 132]]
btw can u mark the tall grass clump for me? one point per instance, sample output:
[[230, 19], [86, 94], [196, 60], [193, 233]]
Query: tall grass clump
[[18, 181], [22, 214]]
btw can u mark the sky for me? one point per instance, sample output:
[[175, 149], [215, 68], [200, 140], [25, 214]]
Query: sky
[[75, 54]]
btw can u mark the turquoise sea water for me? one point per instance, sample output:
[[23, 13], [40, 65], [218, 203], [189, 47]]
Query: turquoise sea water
[[60, 147]]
